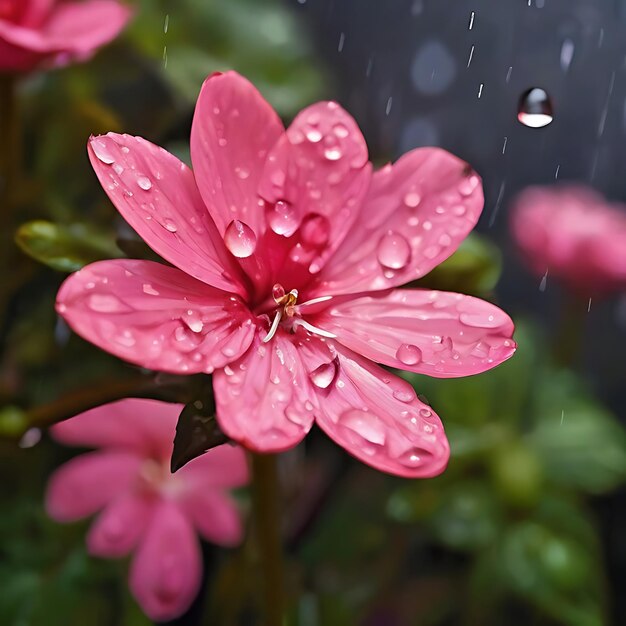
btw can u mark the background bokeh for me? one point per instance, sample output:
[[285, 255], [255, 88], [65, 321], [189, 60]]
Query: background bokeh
[[527, 525]]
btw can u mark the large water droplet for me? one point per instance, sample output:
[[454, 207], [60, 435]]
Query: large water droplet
[[324, 375], [278, 292], [333, 153], [240, 239], [102, 152], [393, 251], [409, 354], [144, 182], [535, 108], [315, 230], [105, 303], [366, 425], [413, 457], [412, 199], [282, 218]]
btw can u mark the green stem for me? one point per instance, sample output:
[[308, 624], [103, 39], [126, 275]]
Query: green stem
[[267, 525]]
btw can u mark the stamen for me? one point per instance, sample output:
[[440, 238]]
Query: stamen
[[273, 327], [313, 329]]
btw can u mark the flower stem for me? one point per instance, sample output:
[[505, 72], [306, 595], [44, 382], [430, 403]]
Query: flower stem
[[267, 525]]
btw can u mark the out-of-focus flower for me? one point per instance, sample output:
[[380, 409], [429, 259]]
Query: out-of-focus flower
[[144, 508], [53, 32], [572, 233], [286, 251]]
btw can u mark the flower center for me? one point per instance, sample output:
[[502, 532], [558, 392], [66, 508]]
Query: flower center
[[289, 313]]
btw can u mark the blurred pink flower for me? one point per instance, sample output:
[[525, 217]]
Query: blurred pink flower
[[53, 32], [286, 250], [144, 508], [573, 234]]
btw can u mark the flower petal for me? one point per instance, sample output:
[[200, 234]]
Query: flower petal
[[233, 130], [166, 572], [377, 417], [155, 316], [224, 466], [215, 516], [82, 27], [319, 174], [157, 195], [85, 484], [414, 217], [264, 400], [118, 529], [429, 332], [145, 426]]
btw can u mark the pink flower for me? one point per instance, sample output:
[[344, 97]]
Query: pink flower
[[144, 508], [286, 251], [53, 32], [573, 234]]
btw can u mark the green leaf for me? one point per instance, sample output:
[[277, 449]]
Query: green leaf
[[65, 248], [474, 268]]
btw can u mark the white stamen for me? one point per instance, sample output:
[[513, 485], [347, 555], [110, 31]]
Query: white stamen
[[311, 328], [274, 326]]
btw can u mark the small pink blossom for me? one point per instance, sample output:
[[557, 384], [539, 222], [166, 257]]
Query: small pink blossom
[[56, 32], [286, 252], [573, 234], [141, 506]]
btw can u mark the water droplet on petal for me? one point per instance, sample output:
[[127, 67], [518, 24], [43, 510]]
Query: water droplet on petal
[[341, 130], [468, 185], [150, 290], [282, 218], [315, 230], [333, 153], [240, 239], [404, 394], [102, 152], [169, 225], [409, 354], [367, 426], [535, 108], [393, 251], [412, 199], [413, 457], [144, 182], [313, 135], [324, 375], [278, 292], [105, 303]]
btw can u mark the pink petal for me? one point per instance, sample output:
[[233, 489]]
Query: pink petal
[[318, 173], [35, 12], [118, 529], [233, 130], [157, 195], [414, 217], [215, 516], [83, 27], [429, 332], [145, 426], [377, 417], [166, 573], [86, 483], [264, 400], [155, 316], [224, 466]]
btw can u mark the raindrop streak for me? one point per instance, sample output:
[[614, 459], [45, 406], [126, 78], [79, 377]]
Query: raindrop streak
[[471, 54], [567, 54], [504, 145], [544, 282], [240, 239], [471, 20], [342, 40], [388, 107], [480, 89], [535, 108]]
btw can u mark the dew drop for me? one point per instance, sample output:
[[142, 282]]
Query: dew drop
[[409, 354], [324, 375], [405, 394], [144, 182], [364, 424], [169, 225], [340, 130], [278, 292], [412, 457], [282, 218], [393, 251], [101, 150], [105, 303], [535, 108], [240, 239], [315, 230], [412, 199], [333, 153], [147, 288], [313, 135]]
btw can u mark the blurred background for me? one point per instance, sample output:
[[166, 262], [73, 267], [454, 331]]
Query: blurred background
[[528, 524]]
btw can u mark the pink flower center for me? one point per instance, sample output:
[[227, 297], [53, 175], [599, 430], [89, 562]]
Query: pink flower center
[[155, 478], [287, 313]]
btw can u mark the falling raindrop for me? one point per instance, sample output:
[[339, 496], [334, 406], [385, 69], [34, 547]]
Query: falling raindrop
[[535, 108], [567, 54], [393, 251], [240, 239], [544, 282]]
